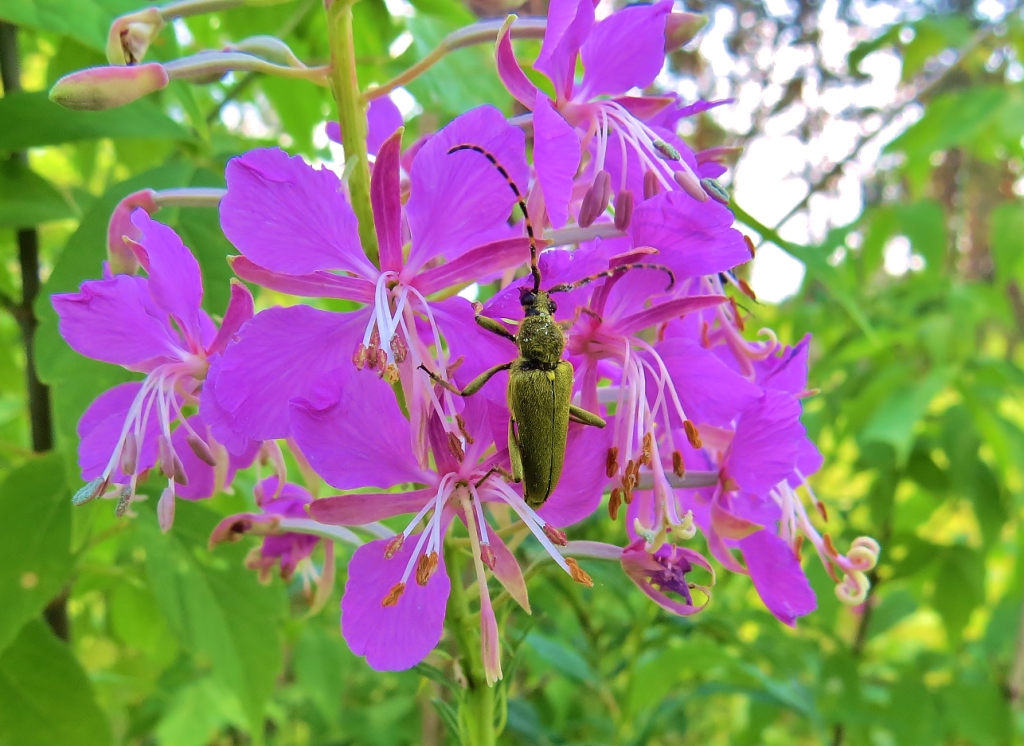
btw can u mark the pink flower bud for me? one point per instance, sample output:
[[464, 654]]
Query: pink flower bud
[[98, 88], [680, 28], [131, 34], [119, 254]]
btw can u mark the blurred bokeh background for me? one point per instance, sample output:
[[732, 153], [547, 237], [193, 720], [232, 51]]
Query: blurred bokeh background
[[878, 169]]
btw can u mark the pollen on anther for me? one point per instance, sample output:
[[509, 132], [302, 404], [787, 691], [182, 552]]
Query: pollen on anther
[[611, 463], [750, 245], [462, 429], [487, 556], [678, 468], [614, 503], [578, 573], [691, 434], [557, 537], [394, 546], [393, 595], [425, 568], [455, 446], [647, 450]]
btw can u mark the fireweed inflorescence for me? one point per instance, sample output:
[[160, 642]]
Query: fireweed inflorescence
[[704, 431]]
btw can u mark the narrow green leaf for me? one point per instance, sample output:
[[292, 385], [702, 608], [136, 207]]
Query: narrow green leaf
[[85, 20]]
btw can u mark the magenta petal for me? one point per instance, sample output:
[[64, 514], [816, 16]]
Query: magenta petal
[[666, 311], [767, 443], [240, 309], [511, 73], [382, 119], [115, 321], [626, 50], [709, 390], [175, 281], [201, 476], [778, 577], [475, 264], [569, 23], [694, 238], [100, 432], [358, 509], [289, 217], [392, 638], [557, 158], [579, 490], [508, 572], [386, 196], [319, 284], [358, 437], [281, 354], [457, 196], [786, 371]]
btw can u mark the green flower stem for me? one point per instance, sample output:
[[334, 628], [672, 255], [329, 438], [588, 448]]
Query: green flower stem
[[476, 712], [352, 118]]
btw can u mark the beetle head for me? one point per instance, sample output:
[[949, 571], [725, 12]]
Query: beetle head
[[536, 303]]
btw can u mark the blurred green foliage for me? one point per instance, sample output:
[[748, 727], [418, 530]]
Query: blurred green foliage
[[920, 417]]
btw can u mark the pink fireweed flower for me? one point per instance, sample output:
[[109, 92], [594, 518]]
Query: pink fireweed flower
[[297, 234], [386, 617], [621, 52], [289, 538], [152, 325]]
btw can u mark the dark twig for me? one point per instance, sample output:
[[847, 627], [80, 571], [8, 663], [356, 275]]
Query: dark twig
[[40, 415]]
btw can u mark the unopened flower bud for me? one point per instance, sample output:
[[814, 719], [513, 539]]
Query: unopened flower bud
[[99, 88], [269, 48], [119, 254], [131, 34], [681, 27], [623, 209]]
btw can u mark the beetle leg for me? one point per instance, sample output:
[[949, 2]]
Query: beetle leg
[[496, 470], [582, 416], [495, 328], [473, 386], [514, 454]]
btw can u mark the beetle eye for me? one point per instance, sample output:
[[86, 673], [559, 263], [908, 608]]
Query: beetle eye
[[527, 298], [552, 306]]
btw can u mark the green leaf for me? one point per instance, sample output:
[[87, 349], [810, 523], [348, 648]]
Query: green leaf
[[197, 713], [35, 556], [959, 589], [561, 657], [86, 20], [27, 199], [31, 120], [1006, 226], [450, 718], [45, 696], [463, 79], [979, 712], [894, 422], [216, 606], [319, 660]]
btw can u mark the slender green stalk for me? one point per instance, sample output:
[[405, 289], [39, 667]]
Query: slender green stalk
[[352, 118], [476, 712]]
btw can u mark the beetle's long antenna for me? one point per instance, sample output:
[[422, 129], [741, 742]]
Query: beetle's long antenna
[[567, 286], [534, 269]]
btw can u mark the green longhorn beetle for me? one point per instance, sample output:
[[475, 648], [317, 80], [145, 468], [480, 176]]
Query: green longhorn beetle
[[540, 381]]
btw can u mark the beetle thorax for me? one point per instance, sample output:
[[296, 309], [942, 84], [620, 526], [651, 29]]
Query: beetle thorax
[[540, 339]]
